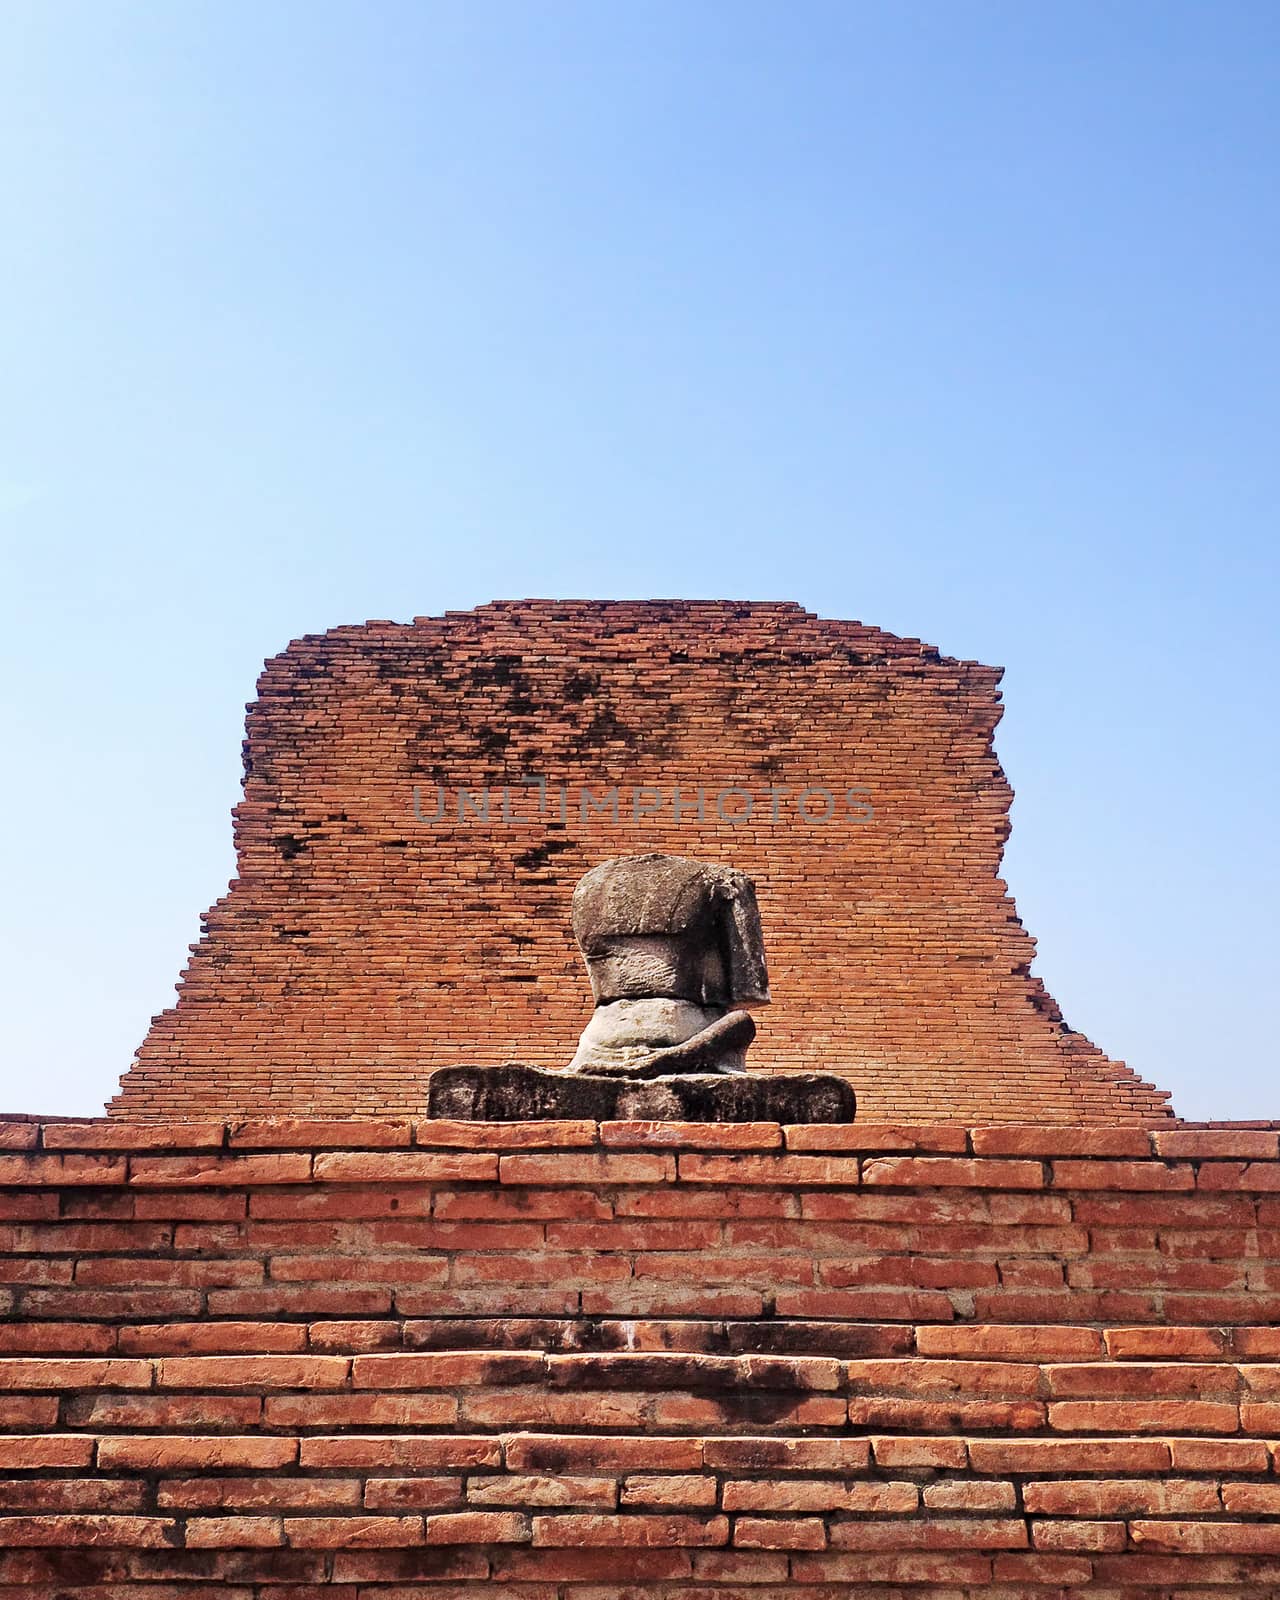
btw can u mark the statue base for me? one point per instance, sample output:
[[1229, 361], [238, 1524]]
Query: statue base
[[516, 1093]]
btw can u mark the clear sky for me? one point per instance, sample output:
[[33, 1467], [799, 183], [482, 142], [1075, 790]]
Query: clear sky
[[956, 317]]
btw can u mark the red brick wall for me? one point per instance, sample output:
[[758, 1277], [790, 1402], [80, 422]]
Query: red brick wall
[[360, 947], [369, 1361]]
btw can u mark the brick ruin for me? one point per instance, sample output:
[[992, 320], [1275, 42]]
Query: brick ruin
[[267, 1333], [569, 1361], [370, 937]]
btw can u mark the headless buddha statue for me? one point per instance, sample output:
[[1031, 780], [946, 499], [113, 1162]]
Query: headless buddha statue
[[672, 948]]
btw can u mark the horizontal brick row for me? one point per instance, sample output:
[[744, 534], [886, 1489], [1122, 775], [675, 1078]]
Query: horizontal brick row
[[1173, 1142], [1060, 1384]]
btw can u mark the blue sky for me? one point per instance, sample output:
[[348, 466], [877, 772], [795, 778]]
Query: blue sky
[[956, 317]]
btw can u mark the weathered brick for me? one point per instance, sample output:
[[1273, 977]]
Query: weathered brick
[[818, 1494], [546, 1267], [107, 1135], [58, 1531], [936, 1416], [1010, 1140], [1164, 1344], [61, 1170], [879, 1137], [1253, 1177], [1037, 1568], [692, 1135], [300, 1300], [446, 1369], [933, 1533], [202, 1413], [1211, 1538], [1135, 1175], [261, 1493], [1069, 1455], [1203, 1143], [218, 1171], [866, 1567], [412, 1494], [74, 1373], [558, 1453], [797, 1171], [1218, 1455], [1119, 1497], [237, 1533], [920, 1452], [24, 1452], [634, 1299], [937, 1171], [442, 1133], [734, 1566], [167, 1452], [1245, 1499], [1009, 1343], [363, 1269], [902, 1305], [780, 1533], [478, 1527], [587, 1167], [790, 1454], [310, 1133], [353, 1336], [1256, 1344], [252, 1372], [73, 1494], [27, 1411], [56, 1338], [966, 1494], [195, 1205], [192, 1338], [406, 1166], [597, 1528], [487, 1205], [364, 1410], [614, 1565], [346, 1533], [674, 1490], [1134, 1380], [390, 1450], [184, 1274], [937, 1378], [644, 1235], [1130, 1209], [1143, 1416], [539, 1489], [449, 1570]]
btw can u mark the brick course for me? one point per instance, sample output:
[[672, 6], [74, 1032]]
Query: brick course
[[631, 1436], [360, 947]]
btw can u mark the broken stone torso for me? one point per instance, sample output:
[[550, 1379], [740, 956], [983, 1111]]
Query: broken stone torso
[[673, 947]]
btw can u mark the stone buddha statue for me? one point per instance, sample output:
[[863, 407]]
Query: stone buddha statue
[[674, 952], [673, 948]]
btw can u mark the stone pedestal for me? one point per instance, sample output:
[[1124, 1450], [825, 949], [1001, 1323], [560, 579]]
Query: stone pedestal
[[517, 1093]]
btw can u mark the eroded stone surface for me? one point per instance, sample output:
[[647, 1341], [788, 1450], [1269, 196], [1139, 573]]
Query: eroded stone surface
[[515, 1093]]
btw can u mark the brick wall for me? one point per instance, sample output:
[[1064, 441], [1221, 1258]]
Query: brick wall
[[360, 946], [368, 1361]]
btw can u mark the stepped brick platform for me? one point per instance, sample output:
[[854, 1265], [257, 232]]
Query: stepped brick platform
[[569, 1361], [369, 938]]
